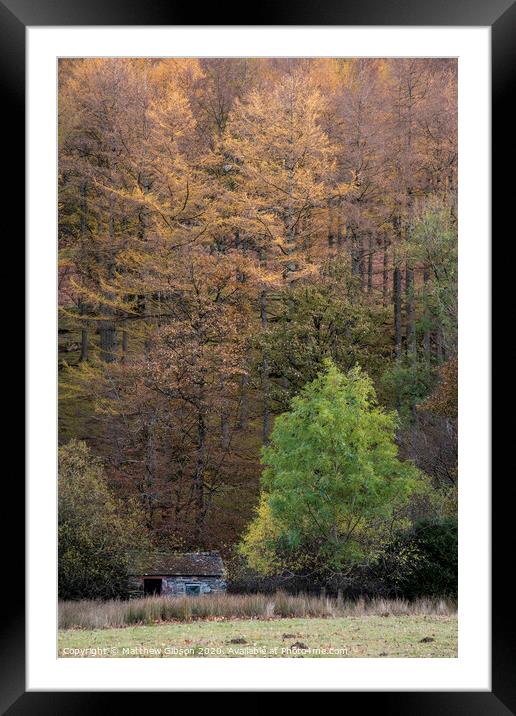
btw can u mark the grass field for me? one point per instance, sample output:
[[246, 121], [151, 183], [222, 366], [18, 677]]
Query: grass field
[[359, 636]]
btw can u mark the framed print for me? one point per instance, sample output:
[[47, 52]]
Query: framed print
[[259, 257]]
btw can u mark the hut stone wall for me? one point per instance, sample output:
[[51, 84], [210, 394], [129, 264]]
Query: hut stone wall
[[175, 586]]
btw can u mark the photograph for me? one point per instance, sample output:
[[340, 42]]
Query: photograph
[[257, 357]]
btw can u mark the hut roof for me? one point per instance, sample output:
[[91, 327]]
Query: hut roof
[[184, 564]]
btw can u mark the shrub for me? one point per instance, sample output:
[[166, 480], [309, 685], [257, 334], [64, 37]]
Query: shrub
[[427, 560], [98, 537]]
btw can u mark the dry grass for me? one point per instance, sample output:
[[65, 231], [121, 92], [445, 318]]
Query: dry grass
[[91, 614]]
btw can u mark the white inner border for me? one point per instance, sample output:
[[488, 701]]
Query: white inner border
[[471, 670]]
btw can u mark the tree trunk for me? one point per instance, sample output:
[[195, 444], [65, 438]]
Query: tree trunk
[[370, 265], [199, 477], [409, 309], [107, 328], [108, 341], [143, 221], [385, 277], [244, 404], [396, 284], [82, 307], [84, 334], [441, 357], [150, 467], [224, 416], [355, 253], [340, 238], [265, 373], [330, 225], [426, 335], [125, 345], [361, 263], [411, 333]]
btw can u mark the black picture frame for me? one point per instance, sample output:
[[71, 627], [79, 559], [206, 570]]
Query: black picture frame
[[500, 15]]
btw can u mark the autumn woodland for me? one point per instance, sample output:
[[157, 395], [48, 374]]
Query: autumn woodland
[[258, 317]]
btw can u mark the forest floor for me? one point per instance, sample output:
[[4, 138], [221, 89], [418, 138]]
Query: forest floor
[[362, 636]]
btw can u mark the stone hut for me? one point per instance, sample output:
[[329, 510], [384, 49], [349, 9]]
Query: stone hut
[[180, 574]]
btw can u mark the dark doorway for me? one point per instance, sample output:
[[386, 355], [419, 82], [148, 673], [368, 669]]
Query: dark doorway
[[152, 586]]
